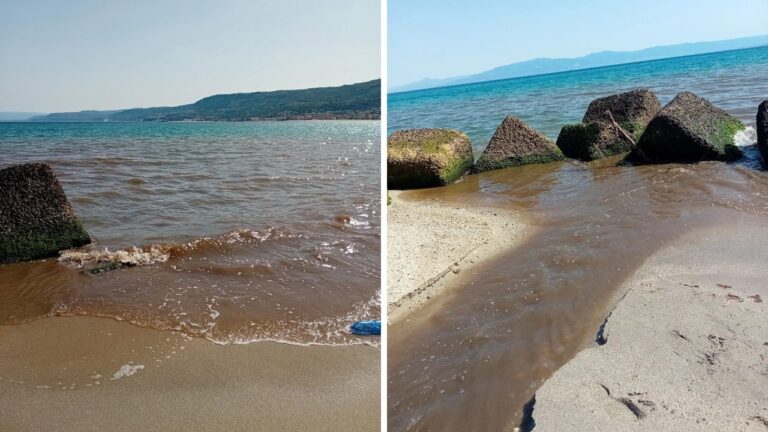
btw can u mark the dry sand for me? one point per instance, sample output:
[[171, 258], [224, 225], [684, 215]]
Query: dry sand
[[95, 374], [430, 243], [686, 349]]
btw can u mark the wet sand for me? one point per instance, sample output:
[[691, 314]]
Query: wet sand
[[686, 348], [94, 374], [449, 239]]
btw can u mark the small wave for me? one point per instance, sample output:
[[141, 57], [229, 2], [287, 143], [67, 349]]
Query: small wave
[[341, 221], [745, 137], [224, 242], [357, 222], [328, 331], [130, 257], [160, 253]]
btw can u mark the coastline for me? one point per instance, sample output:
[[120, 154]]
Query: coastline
[[449, 239], [123, 377], [656, 368]]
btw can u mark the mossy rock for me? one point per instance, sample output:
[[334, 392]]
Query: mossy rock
[[762, 129], [635, 106], [36, 219], [688, 129], [596, 137], [596, 140], [577, 141], [515, 143], [421, 158]]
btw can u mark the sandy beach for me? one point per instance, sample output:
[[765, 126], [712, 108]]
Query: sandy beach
[[96, 374], [449, 239], [686, 347]]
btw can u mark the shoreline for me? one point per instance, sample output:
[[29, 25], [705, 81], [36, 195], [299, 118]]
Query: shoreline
[[450, 239], [124, 377], [652, 367]]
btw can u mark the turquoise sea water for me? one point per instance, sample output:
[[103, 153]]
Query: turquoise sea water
[[733, 80]]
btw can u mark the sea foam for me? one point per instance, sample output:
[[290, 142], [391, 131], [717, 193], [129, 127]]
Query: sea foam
[[745, 137], [131, 257], [126, 370]]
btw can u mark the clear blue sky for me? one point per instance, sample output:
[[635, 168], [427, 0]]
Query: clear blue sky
[[60, 55], [445, 38]]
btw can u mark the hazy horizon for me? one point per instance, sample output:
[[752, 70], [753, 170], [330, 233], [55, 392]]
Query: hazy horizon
[[87, 55], [494, 33], [641, 57]]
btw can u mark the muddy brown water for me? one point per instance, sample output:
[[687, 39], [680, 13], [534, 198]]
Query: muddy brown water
[[233, 232], [474, 356]]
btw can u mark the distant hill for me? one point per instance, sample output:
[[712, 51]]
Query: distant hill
[[75, 116], [17, 116], [353, 101], [605, 58]]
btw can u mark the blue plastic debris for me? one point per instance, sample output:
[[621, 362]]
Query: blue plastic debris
[[366, 328]]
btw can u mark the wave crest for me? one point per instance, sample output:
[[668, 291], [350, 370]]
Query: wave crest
[[745, 137], [160, 253]]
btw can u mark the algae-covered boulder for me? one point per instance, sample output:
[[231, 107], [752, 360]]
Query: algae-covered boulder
[[762, 129], [688, 129], [36, 220], [590, 141], [635, 106], [515, 143], [596, 136], [420, 158]]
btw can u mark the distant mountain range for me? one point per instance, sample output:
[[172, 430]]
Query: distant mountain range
[[353, 101], [605, 58], [17, 116]]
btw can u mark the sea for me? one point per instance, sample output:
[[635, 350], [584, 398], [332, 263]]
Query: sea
[[732, 80], [474, 357], [231, 232]]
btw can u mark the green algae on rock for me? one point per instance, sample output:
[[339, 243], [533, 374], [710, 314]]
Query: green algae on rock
[[420, 158], [36, 219], [596, 137], [578, 140], [515, 143], [688, 129]]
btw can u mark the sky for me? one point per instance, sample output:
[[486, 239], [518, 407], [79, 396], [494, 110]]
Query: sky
[[446, 38], [88, 54]]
